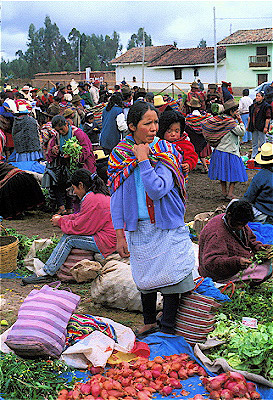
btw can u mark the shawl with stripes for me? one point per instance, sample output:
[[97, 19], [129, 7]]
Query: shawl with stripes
[[217, 126], [194, 121], [122, 162]]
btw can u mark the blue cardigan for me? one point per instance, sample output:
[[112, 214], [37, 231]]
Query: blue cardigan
[[110, 135], [260, 191], [159, 185]]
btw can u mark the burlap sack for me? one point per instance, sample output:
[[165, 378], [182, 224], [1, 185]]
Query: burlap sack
[[200, 220], [85, 270], [114, 286]]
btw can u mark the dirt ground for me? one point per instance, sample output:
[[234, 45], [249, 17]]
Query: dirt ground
[[203, 195]]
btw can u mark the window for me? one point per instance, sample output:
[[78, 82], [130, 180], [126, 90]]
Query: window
[[177, 73], [261, 51], [262, 78]]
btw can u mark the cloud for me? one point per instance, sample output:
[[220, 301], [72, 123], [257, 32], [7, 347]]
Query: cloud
[[185, 22]]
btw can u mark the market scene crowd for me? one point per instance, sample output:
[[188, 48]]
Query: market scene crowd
[[116, 165]]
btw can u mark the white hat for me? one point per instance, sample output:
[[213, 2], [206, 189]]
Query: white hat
[[266, 154], [10, 105], [22, 109], [26, 87]]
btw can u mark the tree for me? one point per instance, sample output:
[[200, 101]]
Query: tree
[[136, 40], [202, 44]]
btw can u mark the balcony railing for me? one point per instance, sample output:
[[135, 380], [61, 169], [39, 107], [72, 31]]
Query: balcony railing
[[259, 61]]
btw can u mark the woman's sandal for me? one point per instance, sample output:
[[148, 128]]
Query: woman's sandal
[[142, 335]]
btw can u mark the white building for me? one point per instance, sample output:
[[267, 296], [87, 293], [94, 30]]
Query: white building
[[169, 67]]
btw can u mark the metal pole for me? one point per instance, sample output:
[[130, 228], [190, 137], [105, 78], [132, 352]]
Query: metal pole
[[215, 47], [79, 54], [143, 58]]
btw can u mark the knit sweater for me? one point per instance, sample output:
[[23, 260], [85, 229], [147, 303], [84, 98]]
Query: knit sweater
[[93, 219], [25, 134], [159, 185], [258, 114], [220, 249], [260, 191]]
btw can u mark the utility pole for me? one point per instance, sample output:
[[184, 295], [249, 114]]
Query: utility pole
[[143, 58], [79, 54], [215, 47], [230, 29]]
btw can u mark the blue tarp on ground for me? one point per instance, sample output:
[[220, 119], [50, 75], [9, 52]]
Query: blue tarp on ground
[[33, 166], [164, 345], [263, 232]]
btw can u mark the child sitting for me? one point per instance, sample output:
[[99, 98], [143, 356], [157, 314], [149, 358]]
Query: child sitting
[[91, 128], [171, 128]]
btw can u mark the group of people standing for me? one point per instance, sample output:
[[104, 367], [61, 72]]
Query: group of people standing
[[153, 147]]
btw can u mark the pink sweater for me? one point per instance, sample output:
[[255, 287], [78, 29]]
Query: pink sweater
[[93, 219]]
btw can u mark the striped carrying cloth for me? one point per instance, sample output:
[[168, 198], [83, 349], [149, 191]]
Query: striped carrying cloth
[[81, 325], [217, 126], [194, 121], [122, 162]]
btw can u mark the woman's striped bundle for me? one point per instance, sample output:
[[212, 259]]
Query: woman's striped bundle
[[215, 127], [122, 162], [194, 121]]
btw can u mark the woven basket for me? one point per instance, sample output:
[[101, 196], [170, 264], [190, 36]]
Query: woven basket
[[8, 252]]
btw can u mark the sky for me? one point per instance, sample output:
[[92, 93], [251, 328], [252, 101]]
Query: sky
[[184, 22]]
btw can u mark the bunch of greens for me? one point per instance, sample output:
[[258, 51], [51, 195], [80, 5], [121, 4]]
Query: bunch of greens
[[44, 254], [246, 348], [31, 379], [253, 302], [73, 149]]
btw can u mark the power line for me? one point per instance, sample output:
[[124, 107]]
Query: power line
[[245, 18]]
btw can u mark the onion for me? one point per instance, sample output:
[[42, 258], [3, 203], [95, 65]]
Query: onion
[[226, 394], [130, 390], [155, 373], [182, 373], [175, 366], [251, 387], [95, 389], [214, 394], [139, 386], [175, 383], [143, 396], [173, 374], [85, 388], [255, 395], [215, 383], [235, 376], [158, 360], [198, 397], [157, 367], [166, 390]]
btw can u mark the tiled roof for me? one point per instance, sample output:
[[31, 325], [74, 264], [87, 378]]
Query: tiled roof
[[249, 36], [192, 56], [134, 55]]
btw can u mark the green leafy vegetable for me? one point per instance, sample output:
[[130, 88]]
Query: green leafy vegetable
[[31, 379], [73, 149]]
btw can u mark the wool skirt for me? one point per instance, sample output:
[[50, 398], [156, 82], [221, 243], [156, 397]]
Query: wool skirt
[[226, 167], [20, 193], [161, 259]]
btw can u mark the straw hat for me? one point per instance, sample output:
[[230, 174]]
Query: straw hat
[[68, 112], [230, 104], [194, 102], [76, 98], [158, 101], [266, 154], [194, 85]]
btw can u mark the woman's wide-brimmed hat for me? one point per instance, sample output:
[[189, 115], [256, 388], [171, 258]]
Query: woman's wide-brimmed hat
[[68, 112], [230, 104], [266, 154], [158, 101], [194, 85], [76, 98], [195, 103]]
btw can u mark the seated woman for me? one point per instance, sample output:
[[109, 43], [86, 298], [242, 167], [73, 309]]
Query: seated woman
[[260, 190], [227, 246], [89, 229]]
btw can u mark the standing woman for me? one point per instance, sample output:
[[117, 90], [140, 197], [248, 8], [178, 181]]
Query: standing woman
[[224, 133], [55, 157], [148, 201], [113, 123]]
